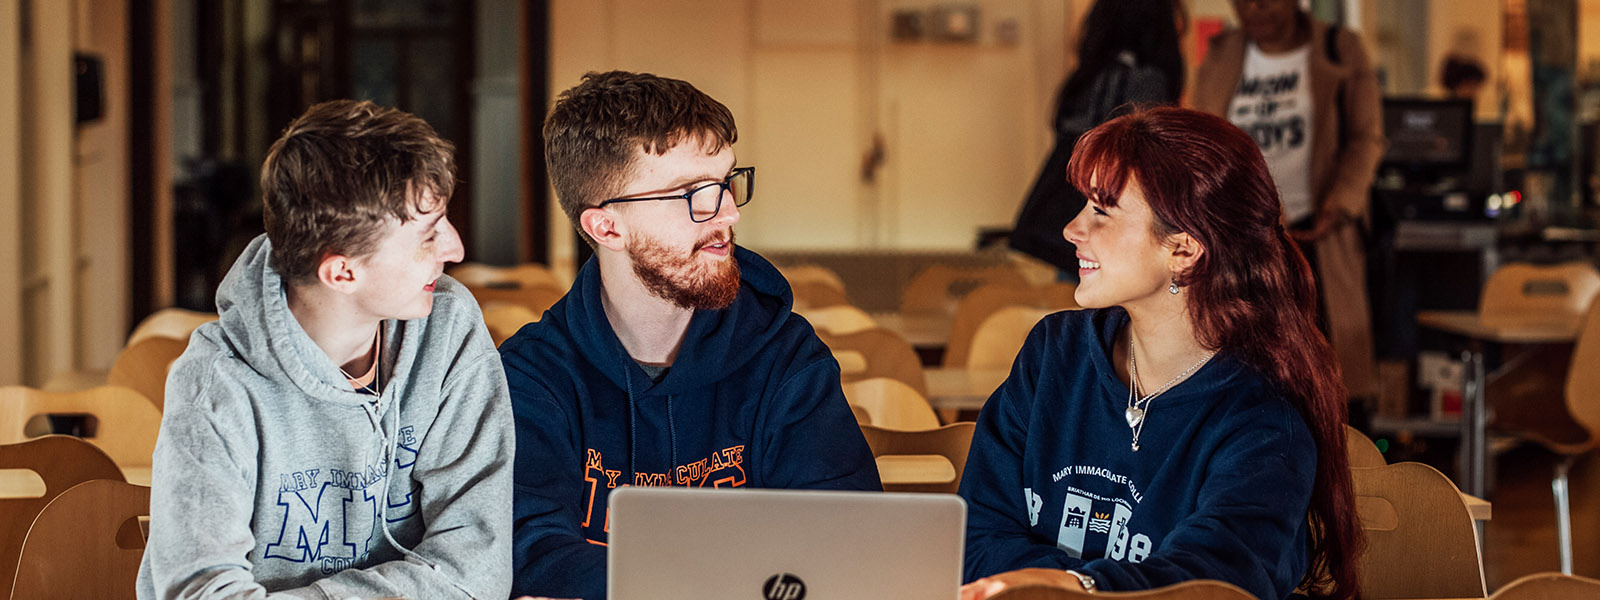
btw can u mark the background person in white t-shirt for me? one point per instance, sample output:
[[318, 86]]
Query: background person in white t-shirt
[[1308, 93]]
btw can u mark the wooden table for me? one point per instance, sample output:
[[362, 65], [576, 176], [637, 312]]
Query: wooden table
[[960, 389], [1513, 329], [927, 330], [915, 468], [23, 483]]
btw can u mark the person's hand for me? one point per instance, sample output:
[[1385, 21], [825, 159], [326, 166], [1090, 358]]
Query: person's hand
[[994, 584], [1328, 219]]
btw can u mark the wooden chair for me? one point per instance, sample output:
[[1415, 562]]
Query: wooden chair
[[536, 298], [884, 353], [143, 366], [977, 306], [476, 274], [891, 404], [172, 322], [61, 461], [949, 442], [1551, 398], [86, 543], [814, 286], [1000, 336], [1519, 292], [1198, 589], [838, 320], [938, 288], [1362, 452], [126, 423], [1421, 541], [504, 319], [1548, 586], [817, 294]]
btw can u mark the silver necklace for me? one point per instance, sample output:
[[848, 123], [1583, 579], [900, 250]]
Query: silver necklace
[[376, 388], [1138, 406]]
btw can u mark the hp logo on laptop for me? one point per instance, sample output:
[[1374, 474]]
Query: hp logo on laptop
[[783, 586]]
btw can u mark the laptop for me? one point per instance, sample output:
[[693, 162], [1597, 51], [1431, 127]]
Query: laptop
[[673, 542]]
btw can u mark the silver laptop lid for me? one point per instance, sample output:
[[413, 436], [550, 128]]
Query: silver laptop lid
[[783, 545]]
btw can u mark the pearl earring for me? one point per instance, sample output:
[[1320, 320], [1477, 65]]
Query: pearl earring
[[1173, 287]]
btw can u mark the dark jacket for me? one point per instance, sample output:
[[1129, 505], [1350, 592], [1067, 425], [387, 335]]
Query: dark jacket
[[752, 400], [1218, 489]]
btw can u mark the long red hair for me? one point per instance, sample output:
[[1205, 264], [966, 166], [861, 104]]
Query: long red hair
[[1250, 293]]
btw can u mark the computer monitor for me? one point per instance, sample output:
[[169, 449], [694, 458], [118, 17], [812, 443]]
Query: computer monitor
[[1427, 134]]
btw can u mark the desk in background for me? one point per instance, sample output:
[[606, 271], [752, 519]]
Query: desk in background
[[1532, 329]]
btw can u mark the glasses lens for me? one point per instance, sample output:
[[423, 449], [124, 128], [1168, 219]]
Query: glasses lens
[[742, 185], [704, 201]]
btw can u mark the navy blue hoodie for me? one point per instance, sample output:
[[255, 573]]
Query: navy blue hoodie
[[1218, 489], [752, 400]]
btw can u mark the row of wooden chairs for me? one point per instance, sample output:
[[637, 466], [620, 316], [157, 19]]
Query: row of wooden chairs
[[82, 537]]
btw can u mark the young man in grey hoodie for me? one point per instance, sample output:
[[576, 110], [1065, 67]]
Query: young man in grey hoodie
[[344, 429]]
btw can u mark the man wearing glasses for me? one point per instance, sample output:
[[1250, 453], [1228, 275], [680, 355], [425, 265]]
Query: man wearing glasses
[[674, 359]]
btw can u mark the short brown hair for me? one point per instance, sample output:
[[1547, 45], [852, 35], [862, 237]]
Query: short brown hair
[[339, 171], [592, 130]]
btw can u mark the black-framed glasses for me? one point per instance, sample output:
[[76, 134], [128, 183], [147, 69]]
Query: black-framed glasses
[[706, 201]]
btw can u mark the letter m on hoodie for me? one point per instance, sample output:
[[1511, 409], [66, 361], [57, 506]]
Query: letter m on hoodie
[[323, 521]]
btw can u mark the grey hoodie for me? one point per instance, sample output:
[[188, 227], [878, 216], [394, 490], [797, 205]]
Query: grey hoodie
[[273, 478]]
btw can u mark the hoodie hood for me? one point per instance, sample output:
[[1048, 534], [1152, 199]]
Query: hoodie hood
[[253, 306], [713, 345]]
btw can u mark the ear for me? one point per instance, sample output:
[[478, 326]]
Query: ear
[[603, 226], [338, 272], [1186, 251]]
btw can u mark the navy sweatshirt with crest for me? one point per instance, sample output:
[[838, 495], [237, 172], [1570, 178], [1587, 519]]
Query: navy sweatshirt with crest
[[752, 400], [1218, 489]]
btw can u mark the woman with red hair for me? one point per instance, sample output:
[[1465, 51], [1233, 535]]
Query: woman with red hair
[[1189, 425]]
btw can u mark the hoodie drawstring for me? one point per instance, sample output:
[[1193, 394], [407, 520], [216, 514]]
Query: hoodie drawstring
[[388, 478]]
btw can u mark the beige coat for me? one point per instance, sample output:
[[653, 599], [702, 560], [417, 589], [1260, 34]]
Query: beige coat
[[1342, 170]]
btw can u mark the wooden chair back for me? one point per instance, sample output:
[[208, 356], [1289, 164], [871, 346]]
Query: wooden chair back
[[1421, 541], [838, 320], [173, 322], [126, 423], [536, 298], [60, 461], [1000, 336], [812, 274], [891, 404], [817, 294], [86, 543], [1583, 379], [1362, 452], [504, 319], [1519, 292], [861, 415], [938, 288], [951, 442], [143, 366], [977, 306], [476, 274], [1196, 589], [1548, 586], [885, 354]]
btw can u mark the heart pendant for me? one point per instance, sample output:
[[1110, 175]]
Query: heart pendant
[[1134, 416]]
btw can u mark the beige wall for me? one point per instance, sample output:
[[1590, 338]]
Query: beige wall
[[964, 126], [10, 192], [63, 193], [100, 172]]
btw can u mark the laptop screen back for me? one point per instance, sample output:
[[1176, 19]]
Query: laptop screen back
[[783, 545]]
